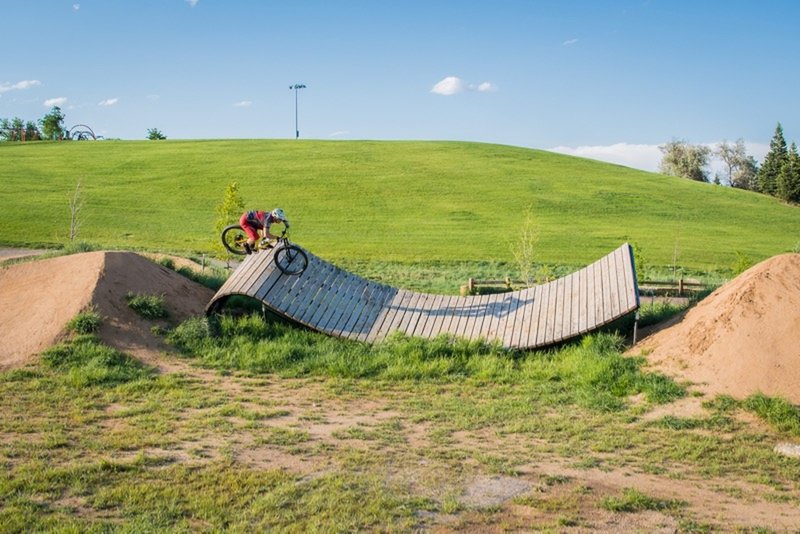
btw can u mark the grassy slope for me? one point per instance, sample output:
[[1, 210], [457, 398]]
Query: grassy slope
[[407, 201]]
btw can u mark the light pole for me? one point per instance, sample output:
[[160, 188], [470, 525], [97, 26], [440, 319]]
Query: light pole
[[296, 87]]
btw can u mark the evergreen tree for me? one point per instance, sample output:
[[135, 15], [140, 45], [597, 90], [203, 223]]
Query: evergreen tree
[[773, 163], [788, 182]]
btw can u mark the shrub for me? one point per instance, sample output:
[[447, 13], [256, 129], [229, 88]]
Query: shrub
[[189, 335], [148, 306], [168, 263], [86, 322]]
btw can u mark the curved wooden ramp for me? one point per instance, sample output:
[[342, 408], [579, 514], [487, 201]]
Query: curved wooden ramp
[[331, 300]]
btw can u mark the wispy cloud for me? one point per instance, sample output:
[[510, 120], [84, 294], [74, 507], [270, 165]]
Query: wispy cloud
[[108, 102], [19, 86], [153, 98], [453, 85], [569, 42], [76, 7], [339, 133], [192, 3], [243, 104], [59, 101], [645, 157]]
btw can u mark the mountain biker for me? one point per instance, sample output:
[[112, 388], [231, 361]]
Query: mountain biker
[[255, 221]]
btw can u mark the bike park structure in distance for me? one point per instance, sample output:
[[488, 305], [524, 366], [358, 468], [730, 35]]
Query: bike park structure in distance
[[330, 300]]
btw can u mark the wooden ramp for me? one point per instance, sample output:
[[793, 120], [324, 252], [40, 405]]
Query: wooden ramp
[[330, 300]]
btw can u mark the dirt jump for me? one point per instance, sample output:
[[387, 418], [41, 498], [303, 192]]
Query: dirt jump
[[39, 298], [742, 339]]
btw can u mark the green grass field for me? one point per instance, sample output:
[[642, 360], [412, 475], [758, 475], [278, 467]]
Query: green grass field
[[389, 201]]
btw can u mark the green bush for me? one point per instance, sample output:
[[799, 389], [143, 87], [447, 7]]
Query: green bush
[[86, 322], [148, 306]]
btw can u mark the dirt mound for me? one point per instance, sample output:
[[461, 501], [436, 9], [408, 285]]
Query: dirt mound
[[742, 339], [38, 299]]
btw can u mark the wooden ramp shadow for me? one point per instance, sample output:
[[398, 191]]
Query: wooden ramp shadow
[[330, 300]]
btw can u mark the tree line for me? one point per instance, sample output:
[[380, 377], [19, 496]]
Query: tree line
[[778, 175], [51, 127]]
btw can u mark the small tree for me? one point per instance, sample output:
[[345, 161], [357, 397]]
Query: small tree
[[744, 177], [524, 249], [53, 124], [685, 160], [75, 205], [228, 211], [154, 134]]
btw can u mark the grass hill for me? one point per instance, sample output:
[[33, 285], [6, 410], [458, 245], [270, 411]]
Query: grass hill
[[369, 200]]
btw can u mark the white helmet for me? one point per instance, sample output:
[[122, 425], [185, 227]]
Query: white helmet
[[278, 214]]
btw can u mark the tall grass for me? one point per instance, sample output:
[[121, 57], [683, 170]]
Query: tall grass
[[593, 372]]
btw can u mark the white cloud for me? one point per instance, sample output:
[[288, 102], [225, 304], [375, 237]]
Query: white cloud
[[243, 104], [569, 42], [60, 101], [645, 157], [648, 157], [76, 7], [108, 102], [452, 85], [19, 86], [449, 86], [192, 2], [339, 133]]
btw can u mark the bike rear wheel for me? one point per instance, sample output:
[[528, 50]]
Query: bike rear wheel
[[234, 238], [291, 259]]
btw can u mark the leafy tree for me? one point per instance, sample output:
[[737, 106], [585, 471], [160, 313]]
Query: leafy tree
[[53, 124], [228, 211], [737, 162], [685, 160], [154, 134], [32, 132], [744, 176], [788, 182], [776, 158]]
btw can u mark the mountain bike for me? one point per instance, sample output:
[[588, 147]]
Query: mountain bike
[[288, 257]]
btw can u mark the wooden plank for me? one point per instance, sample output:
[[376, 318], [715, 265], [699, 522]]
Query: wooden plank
[[335, 304], [521, 323], [347, 304], [512, 317], [395, 314], [326, 296], [630, 279], [360, 308], [466, 321], [409, 313], [351, 304], [598, 295], [249, 272], [561, 310], [613, 295], [382, 314], [433, 314], [583, 300], [285, 290], [354, 326], [424, 308], [379, 303], [575, 305], [529, 341], [442, 318], [315, 295], [482, 317], [306, 293], [550, 316]]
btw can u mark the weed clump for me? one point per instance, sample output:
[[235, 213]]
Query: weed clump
[[147, 306], [86, 322], [87, 362]]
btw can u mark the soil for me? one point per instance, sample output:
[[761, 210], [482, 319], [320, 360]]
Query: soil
[[742, 339]]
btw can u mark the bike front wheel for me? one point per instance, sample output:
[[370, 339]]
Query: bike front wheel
[[234, 238], [291, 259]]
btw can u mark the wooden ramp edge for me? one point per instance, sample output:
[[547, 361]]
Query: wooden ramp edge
[[330, 300]]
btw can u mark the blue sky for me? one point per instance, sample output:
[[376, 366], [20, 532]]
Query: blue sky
[[605, 79]]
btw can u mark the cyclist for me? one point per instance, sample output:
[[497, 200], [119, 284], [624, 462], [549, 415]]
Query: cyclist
[[255, 221]]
